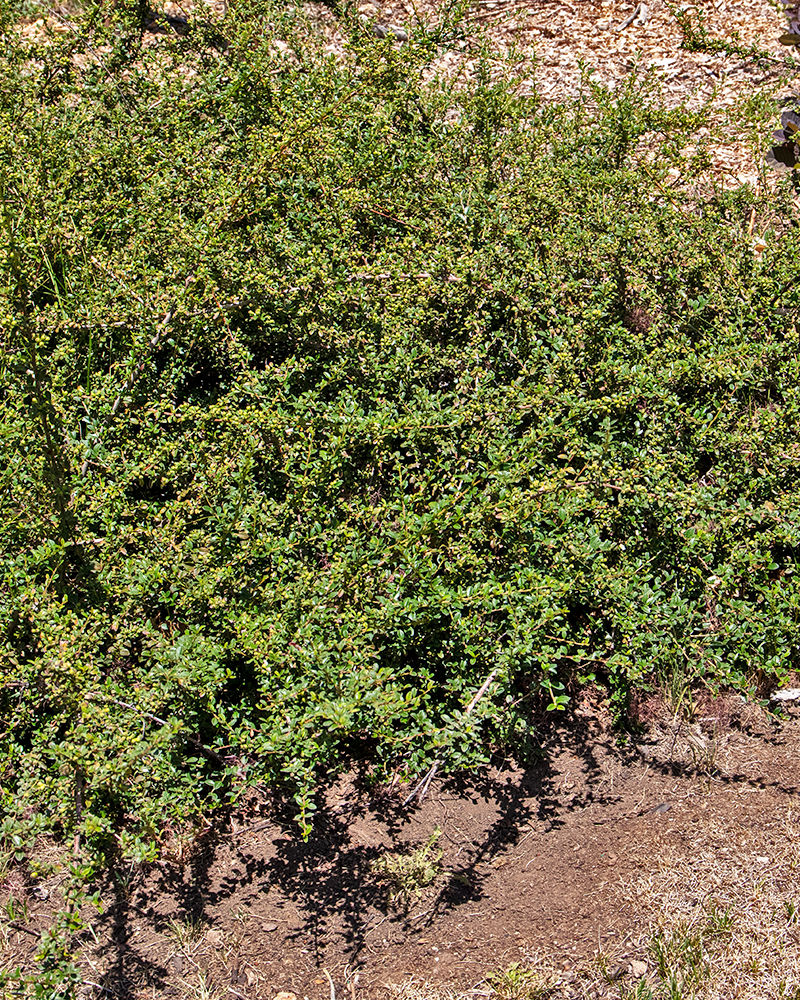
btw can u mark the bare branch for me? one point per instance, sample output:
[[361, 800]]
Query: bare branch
[[159, 722], [424, 785]]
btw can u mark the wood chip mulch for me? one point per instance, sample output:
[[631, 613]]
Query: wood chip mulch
[[560, 40]]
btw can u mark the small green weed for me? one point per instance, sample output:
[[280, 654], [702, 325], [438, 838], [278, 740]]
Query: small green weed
[[517, 983], [719, 921], [641, 991], [408, 874], [680, 958], [5, 865], [697, 38], [17, 909]]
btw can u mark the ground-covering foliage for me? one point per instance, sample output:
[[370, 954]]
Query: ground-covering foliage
[[331, 387]]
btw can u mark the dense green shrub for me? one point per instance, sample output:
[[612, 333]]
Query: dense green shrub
[[330, 387]]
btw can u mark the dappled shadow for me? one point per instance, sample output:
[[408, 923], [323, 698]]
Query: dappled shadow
[[323, 903], [330, 895], [525, 799], [127, 969], [187, 887], [332, 885]]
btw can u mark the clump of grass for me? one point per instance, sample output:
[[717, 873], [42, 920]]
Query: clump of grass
[[407, 874], [186, 933], [203, 989], [518, 983], [5, 865], [416, 989], [180, 840]]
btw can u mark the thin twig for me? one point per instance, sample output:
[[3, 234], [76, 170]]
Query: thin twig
[[422, 787], [160, 722], [254, 828], [22, 927], [481, 692], [430, 773], [368, 930], [98, 986], [350, 981], [629, 19], [333, 990]]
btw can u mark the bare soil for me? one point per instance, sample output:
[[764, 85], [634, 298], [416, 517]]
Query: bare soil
[[537, 863]]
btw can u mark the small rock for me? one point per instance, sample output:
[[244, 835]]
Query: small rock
[[214, 938], [663, 807], [177, 964], [787, 694], [250, 976], [269, 927], [638, 968], [285, 996], [390, 31]]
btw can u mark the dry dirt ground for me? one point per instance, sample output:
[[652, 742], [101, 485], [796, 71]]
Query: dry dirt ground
[[571, 858]]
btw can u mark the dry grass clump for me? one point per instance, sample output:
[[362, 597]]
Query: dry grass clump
[[418, 989], [726, 916]]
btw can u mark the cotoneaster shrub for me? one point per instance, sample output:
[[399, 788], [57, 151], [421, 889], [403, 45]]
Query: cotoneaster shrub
[[330, 388]]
